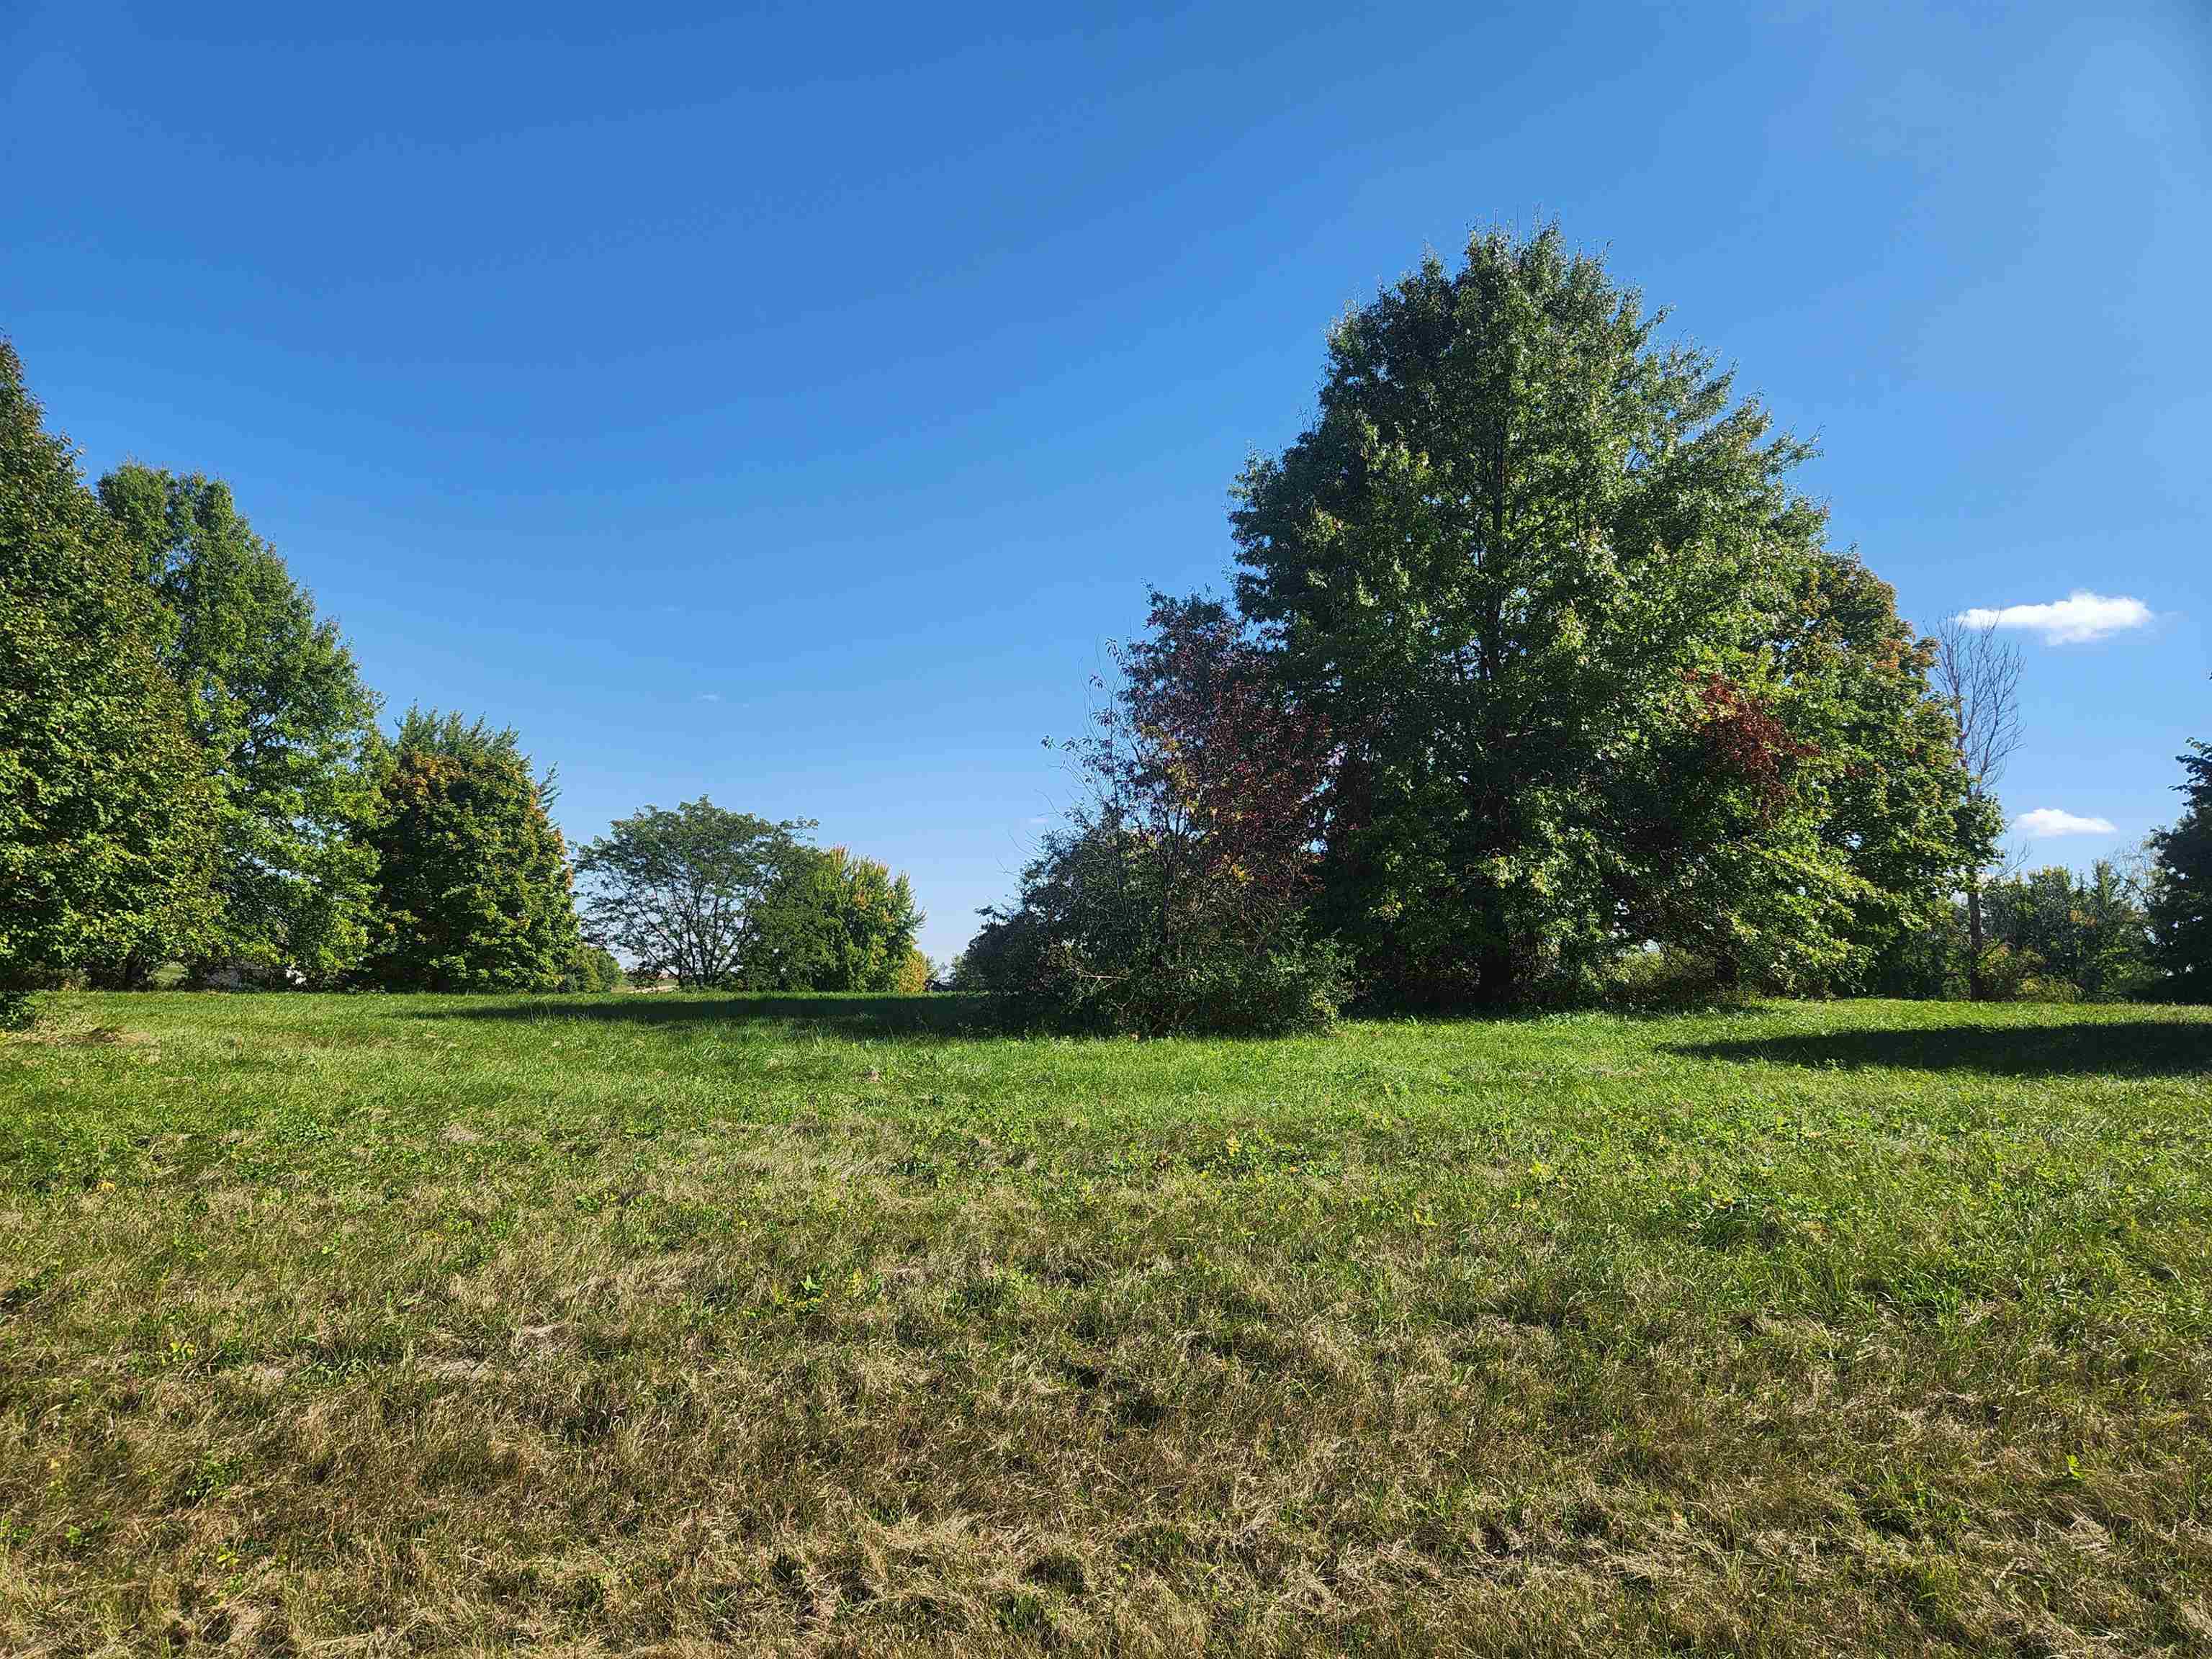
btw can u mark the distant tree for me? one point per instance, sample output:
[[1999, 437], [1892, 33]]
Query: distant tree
[[2067, 936], [1977, 675], [915, 974], [831, 922], [106, 822], [473, 885], [281, 714], [594, 968], [1173, 897], [2181, 888], [1541, 576], [680, 891]]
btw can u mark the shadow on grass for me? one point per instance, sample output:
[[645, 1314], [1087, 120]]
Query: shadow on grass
[[2143, 1047], [845, 1016]]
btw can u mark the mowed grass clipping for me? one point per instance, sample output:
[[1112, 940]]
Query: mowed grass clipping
[[389, 1325]]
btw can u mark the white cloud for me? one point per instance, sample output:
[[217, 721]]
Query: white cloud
[[2078, 619], [710, 697], [2050, 821]]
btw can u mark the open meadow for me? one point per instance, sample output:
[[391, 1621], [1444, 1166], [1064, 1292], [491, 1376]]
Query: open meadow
[[650, 1324]]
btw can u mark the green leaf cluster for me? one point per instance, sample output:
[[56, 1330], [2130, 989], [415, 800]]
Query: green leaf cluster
[[834, 921]]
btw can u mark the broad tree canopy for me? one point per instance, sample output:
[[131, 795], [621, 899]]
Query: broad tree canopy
[[1596, 675], [679, 891]]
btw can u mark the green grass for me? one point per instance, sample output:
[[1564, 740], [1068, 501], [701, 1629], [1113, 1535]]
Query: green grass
[[390, 1325]]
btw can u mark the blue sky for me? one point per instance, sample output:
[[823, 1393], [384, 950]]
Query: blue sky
[[785, 406]]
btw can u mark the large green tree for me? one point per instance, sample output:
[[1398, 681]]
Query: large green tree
[[473, 885], [679, 891], [1596, 676], [2181, 888], [281, 716], [106, 819]]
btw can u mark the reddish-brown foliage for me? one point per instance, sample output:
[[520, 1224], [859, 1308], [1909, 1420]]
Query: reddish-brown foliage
[[1745, 742]]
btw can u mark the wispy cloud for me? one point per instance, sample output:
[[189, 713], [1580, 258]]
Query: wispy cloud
[[2050, 821], [2078, 619], [710, 697]]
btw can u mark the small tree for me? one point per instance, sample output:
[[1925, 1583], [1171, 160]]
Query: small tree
[[473, 881], [832, 923], [106, 817], [1173, 897], [2181, 889], [680, 891], [1977, 675], [594, 968], [283, 719]]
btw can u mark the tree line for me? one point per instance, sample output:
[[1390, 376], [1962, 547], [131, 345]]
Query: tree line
[[192, 775], [1541, 682]]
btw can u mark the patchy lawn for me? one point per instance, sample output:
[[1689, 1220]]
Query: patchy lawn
[[415, 1325]]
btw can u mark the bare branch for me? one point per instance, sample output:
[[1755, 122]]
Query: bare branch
[[1976, 673]]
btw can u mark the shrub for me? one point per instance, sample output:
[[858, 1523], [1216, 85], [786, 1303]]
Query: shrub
[[1173, 899], [916, 974], [831, 922], [1086, 950], [2010, 974], [1668, 976]]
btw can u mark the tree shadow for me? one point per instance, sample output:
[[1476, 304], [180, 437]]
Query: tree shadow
[[2140, 1048], [844, 1016]]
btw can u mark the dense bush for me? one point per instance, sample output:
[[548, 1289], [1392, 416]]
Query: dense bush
[[1668, 977], [916, 974], [594, 968], [1091, 947], [2056, 936], [1173, 898], [832, 921]]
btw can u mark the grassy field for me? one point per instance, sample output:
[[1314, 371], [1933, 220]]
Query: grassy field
[[390, 1325]]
